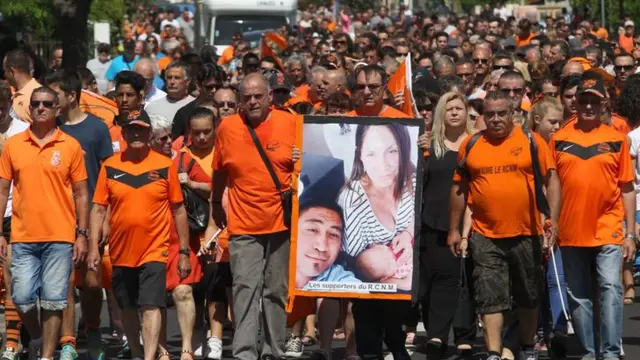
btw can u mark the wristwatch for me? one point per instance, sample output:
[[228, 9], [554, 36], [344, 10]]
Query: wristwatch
[[632, 236], [184, 252], [83, 232]]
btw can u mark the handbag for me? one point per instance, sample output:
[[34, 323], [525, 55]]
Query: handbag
[[197, 207], [286, 196], [464, 315]]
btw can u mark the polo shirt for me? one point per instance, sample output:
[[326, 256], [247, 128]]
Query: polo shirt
[[43, 204]]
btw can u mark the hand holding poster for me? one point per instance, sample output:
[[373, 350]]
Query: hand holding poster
[[355, 227]]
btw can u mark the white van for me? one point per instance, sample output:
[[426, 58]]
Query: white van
[[227, 17]]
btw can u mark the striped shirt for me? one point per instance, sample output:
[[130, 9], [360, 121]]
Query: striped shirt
[[363, 228]]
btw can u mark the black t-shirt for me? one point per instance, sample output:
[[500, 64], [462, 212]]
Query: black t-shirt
[[438, 181], [93, 136], [179, 126]]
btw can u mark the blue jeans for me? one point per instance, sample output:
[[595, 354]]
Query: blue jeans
[[559, 322], [40, 269], [578, 265]]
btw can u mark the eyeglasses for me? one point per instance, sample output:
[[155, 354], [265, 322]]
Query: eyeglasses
[[624, 67], [211, 87], [46, 103], [516, 91], [500, 114], [372, 87], [225, 104], [480, 61]]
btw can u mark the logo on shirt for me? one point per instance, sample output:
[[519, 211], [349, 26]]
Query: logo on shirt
[[56, 158], [118, 176], [273, 145], [154, 175], [604, 147], [588, 83], [516, 151]]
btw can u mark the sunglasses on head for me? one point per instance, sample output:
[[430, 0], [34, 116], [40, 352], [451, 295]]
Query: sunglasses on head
[[46, 103]]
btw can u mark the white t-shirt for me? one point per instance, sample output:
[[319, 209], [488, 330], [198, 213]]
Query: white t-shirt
[[635, 149], [17, 126]]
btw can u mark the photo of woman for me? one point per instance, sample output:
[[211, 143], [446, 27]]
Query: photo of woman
[[360, 239]]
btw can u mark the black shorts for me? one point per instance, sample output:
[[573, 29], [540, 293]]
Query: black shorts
[[504, 268], [134, 287], [216, 280]]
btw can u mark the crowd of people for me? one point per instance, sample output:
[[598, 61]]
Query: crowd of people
[[164, 175]]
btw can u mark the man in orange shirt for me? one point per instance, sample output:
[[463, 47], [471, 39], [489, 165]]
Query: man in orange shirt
[[524, 34], [48, 172], [597, 231], [625, 40], [371, 82], [143, 191], [496, 178], [17, 67], [259, 236]]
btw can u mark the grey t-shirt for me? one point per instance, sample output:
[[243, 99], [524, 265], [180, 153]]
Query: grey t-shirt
[[99, 70], [167, 107]]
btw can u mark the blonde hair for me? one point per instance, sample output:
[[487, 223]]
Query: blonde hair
[[541, 108], [438, 129]]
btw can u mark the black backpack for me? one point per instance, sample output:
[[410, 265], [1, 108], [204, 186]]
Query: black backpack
[[197, 207], [541, 200]]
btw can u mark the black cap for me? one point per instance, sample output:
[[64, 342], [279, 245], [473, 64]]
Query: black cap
[[137, 117], [591, 83]]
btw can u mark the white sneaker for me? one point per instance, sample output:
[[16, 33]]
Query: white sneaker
[[214, 347], [294, 348], [198, 351], [621, 349]]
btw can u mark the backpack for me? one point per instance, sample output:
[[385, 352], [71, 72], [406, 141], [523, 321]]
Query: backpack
[[541, 200]]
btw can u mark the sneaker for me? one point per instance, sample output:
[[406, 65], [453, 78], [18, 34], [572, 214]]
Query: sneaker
[[9, 354], [94, 345], [34, 350], [125, 351], [493, 357], [621, 350], [294, 347], [214, 348], [68, 352], [528, 355], [196, 353]]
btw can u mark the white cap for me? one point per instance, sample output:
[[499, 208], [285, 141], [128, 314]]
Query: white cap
[[629, 23]]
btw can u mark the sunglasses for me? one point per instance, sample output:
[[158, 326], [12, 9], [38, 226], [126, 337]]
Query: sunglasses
[[227, 104], [428, 107], [480, 61], [516, 91], [502, 67], [491, 114], [625, 67], [46, 103], [587, 101], [211, 87], [372, 87]]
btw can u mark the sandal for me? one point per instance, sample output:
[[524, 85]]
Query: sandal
[[187, 352], [309, 340], [629, 300], [338, 334], [163, 355]]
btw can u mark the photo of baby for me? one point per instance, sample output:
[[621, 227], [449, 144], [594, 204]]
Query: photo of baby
[[357, 211]]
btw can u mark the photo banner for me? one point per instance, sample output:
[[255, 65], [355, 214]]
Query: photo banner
[[356, 220]]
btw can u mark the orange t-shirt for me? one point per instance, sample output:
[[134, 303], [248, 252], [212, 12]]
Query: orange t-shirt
[[387, 111], [255, 206], [617, 122], [626, 43], [501, 185], [140, 196], [592, 210], [524, 41], [204, 162], [43, 205]]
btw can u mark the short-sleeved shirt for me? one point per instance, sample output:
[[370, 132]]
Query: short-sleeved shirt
[[501, 184], [204, 162], [140, 195], [119, 63], [167, 107], [255, 205], [21, 99], [43, 205], [592, 166], [93, 135]]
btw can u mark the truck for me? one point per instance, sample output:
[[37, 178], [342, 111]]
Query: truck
[[227, 17]]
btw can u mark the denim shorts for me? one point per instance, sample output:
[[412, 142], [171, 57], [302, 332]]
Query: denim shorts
[[40, 269]]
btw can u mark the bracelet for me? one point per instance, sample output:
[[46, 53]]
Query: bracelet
[[464, 238]]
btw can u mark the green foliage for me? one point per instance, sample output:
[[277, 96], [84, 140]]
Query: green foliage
[[35, 14], [613, 15]]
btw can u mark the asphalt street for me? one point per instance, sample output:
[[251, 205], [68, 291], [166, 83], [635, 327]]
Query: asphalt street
[[631, 338]]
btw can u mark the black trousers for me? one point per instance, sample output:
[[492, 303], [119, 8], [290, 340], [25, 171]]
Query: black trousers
[[439, 288], [378, 320]]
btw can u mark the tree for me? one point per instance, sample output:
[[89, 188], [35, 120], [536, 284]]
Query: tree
[[73, 17]]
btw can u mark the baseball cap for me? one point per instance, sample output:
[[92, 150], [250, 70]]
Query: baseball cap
[[629, 23], [277, 80], [139, 118], [591, 83], [329, 62]]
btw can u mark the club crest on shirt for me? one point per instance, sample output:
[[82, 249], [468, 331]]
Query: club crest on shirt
[[55, 158], [154, 175], [604, 147], [516, 151]]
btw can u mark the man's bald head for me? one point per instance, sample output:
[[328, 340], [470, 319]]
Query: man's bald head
[[147, 69], [572, 68], [337, 77], [254, 98], [253, 80]]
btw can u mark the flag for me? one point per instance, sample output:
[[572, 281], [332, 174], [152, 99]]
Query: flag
[[401, 80], [266, 50]]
